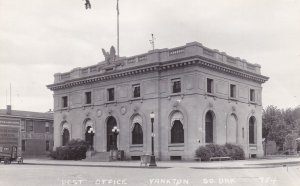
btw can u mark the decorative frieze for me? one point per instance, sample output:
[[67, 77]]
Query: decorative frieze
[[161, 67]]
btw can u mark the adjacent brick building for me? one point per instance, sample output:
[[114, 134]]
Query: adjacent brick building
[[36, 130], [198, 96]]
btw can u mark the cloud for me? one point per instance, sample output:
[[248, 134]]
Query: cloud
[[40, 38]]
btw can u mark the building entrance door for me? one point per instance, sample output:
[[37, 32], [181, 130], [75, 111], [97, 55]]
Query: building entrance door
[[89, 137], [110, 138]]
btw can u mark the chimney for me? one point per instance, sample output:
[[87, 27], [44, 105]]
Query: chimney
[[8, 109]]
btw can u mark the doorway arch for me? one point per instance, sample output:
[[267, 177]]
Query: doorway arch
[[89, 133], [110, 124]]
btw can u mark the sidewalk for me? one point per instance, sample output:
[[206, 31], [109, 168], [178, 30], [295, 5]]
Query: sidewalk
[[237, 164]]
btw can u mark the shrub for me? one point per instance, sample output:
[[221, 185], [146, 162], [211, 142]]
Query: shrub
[[214, 150], [75, 150], [235, 151], [204, 153], [217, 150]]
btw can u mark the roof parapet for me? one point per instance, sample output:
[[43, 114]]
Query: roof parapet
[[159, 55]]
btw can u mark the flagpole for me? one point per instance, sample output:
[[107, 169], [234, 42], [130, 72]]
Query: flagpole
[[118, 28]]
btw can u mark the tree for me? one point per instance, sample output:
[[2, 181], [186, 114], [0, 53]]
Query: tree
[[290, 143], [289, 116], [274, 128], [277, 124], [272, 118]]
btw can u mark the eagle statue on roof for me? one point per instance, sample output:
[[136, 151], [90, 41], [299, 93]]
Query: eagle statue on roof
[[109, 56]]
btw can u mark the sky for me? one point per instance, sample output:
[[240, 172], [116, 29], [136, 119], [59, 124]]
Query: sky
[[41, 38]]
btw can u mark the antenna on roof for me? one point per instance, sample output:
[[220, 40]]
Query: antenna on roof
[[9, 93], [152, 41]]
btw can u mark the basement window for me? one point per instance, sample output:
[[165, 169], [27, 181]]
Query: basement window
[[175, 158]]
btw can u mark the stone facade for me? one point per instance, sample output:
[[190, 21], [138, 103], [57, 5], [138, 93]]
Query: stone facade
[[198, 96]]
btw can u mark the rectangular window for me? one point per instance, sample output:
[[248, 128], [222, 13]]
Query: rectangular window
[[23, 145], [210, 85], [176, 85], [111, 94], [252, 95], [88, 98], [232, 91], [47, 127], [64, 101], [136, 90], [29, 125], [22, 125], [47, 145]]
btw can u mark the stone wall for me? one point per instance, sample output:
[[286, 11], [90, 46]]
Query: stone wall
[[193, 102]]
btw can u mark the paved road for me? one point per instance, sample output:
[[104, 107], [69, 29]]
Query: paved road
[[34, 174]]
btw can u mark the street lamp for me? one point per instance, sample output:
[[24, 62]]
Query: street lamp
[[115, 131], [152, 159], [91, 132]]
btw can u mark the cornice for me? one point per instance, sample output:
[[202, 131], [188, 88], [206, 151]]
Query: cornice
[[161, 66]]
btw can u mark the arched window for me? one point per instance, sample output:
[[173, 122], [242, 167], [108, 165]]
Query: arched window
[[65, 137], [65, 132], [137, 134], [177, 132], [252, 130], [209, 132]]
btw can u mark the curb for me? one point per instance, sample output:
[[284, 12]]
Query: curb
[[112, 166]]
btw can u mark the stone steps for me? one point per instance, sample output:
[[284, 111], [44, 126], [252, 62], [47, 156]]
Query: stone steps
[[98, 156]]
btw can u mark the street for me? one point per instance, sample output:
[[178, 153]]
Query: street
[[177, 174]]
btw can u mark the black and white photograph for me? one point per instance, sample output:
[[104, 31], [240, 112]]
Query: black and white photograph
[[150, 92]]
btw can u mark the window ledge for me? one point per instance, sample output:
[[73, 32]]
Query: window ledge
[[111, 102], [233, 98], [136, 99], [176, 145], [87, 105], [252, 146], [176, 94], [210, 94], [252, 102], [64, 108], [137, 145], [213, 95]]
